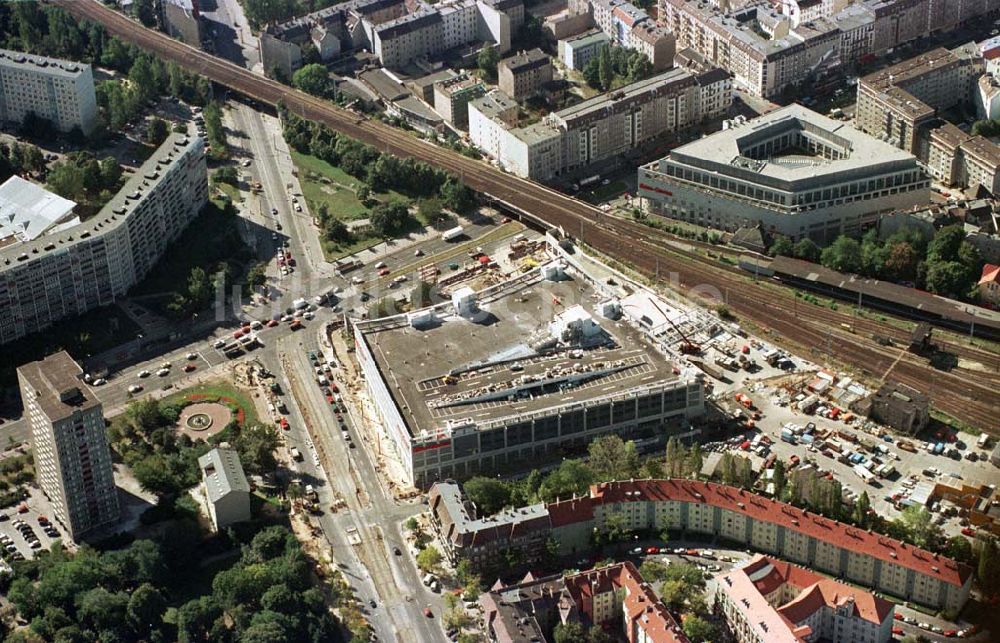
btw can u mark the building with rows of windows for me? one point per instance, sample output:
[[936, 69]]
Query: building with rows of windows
[[91, 264], [69, 443], [60, 91], [792, 171], [701, 509]]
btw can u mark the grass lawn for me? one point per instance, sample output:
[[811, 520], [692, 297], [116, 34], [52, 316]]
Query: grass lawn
[[89, 334], [231, 191], [218, 389], [208, 240], [325, 184], [603, 193]]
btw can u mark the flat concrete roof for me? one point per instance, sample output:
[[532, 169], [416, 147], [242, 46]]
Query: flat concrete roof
[[479, 355], [28, 210], [724, 149], [41, 64], [58, 381]]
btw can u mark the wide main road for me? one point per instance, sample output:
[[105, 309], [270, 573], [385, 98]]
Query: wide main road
[[967, 399]]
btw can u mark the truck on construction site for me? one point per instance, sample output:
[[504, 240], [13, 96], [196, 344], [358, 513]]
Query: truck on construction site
[[984, 439], [808, 405], [864, 474], [906, 445], [727, 363], [787, 435], [296, 454]]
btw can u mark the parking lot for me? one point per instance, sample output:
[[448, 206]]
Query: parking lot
[[27, 528]]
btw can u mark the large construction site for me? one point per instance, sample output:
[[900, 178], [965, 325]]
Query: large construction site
[[527, 370]]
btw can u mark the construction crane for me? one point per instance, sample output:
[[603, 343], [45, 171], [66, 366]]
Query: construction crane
[[687, 346]]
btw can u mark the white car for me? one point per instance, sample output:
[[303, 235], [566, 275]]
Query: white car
[[192, 356], [418, 253], [308, 315], [135, 388], [219, 343], [143, 373], [246, 162], [298, 208], [100, 381], [163, 372]]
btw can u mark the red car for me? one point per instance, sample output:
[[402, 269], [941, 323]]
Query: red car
[[330, 400], [189, 368], [897, 631], [334, 387], [272, 323], [291, 261], [428, 613], [968, 531], [238, 334], [652, 550], [383, 272], [951, 633], [284, 423], [898, 616]]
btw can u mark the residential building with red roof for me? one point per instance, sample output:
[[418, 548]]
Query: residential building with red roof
[[989, 284], [711, 510], [774, 601], [614, 597]]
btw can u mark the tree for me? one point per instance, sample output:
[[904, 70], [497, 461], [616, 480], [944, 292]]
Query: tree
[[778, 478], [959, 548], [487, 61], [389, 218], [313, 79], [573, 477], [429, 558], [988, 567], [843, 255], [862, 511], [256, 445], [807, 250], [597, 635], [456, 195], [949, 278], [145, 11], [157, 131], [145, 609], [782, 247], [155, 474], [569, 632], [430, 210], [199, 288], [873, 254], [917, 523], [694, 461], [67, 180], [945, 244], [611, 458], [605, 69], [698, 629], [104, 610], [488, 494], [901, 262]]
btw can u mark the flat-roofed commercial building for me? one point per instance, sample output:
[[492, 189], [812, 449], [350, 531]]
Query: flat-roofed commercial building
[[771, 601], [69, 443], [478, 385], [91, 264], [28, 211], [792, 171], [702, 509], [60, 91], [452, 96]]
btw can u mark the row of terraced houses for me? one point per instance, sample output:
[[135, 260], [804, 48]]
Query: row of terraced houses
[[706, 509]]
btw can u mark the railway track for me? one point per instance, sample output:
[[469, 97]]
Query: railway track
[[974, 402]]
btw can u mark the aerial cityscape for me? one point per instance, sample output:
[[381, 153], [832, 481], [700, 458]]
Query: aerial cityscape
[[499, 321]]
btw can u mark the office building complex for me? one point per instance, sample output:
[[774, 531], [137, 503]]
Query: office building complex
[[605, 597], [226, 489], [59, 91], [577, 51], [470, 386], [81, 267], [702, 509], [390, 30], [602, 129], [70, 446], [523, 75], [771, 601], [792, 171], [900, 105]]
